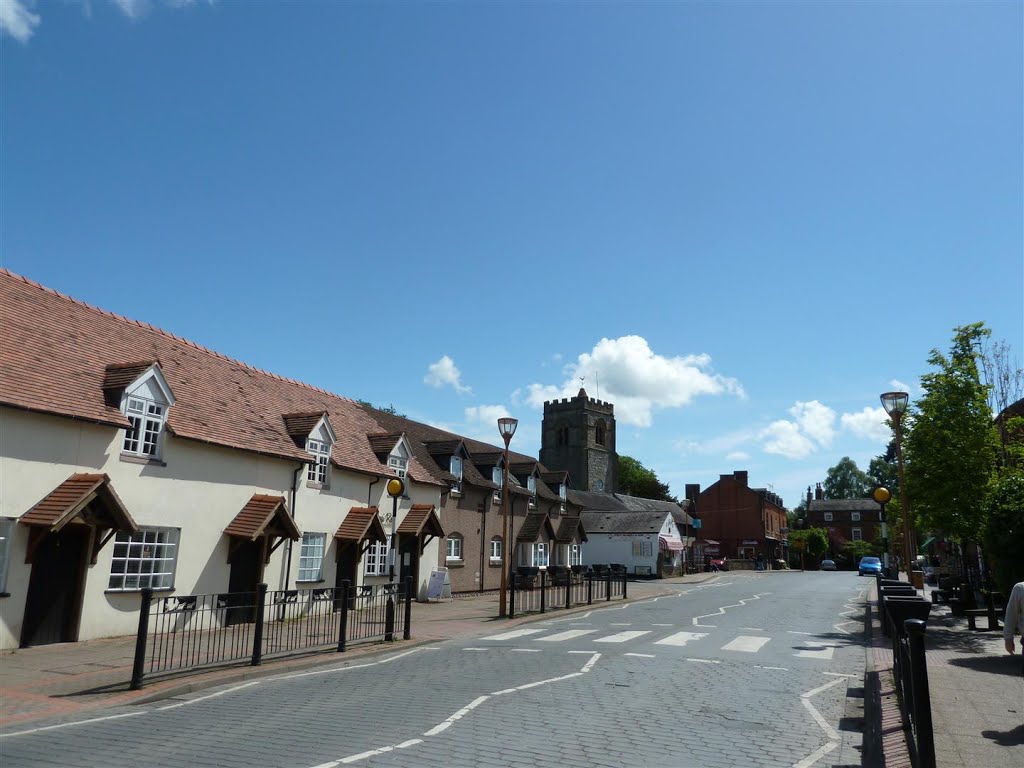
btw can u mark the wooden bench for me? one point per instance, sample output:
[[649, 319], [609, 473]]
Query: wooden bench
[[973, 614]]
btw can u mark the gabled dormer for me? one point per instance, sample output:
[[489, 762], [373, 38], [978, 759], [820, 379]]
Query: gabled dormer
[[449, 455], [314, 433], [144, 397], [558, 480]]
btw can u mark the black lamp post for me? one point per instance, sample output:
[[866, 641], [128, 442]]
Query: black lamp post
[[895, 404], [506, 428], [882, 495]]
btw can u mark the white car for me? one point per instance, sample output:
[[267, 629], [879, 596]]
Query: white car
[[828, 565]]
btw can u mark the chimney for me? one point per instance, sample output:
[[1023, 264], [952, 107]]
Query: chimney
[[809, 497], [819, 493], [741, 477], [692, 491]]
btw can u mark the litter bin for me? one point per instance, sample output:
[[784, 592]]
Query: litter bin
[[917, 579]]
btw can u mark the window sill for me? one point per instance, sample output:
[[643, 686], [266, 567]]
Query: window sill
[[129, 458], [454, 563], [310, 581], [161, 591], [318, 486], [494, 564]]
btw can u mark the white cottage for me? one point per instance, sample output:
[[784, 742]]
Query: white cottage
[[131, 458], [646, 543]]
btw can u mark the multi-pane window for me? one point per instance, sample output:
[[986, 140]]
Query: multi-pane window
[[320, 451], [540, 555], [6, 532], [455, 467], [855, 534], [855, 517], [377, 558], [144, 559], [575, 554], [311, 556], [496, 550], [497, 479], [146, 419], [399, 464], [454, 550], [643, 548], [828, 517]]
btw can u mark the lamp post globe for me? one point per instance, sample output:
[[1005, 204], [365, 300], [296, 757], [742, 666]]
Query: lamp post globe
[[506, 428]]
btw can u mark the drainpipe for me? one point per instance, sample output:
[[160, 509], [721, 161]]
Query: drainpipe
[[295, 485]]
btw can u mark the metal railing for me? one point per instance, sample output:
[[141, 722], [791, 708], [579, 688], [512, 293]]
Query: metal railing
[[182, 632], [541, 593], [911, 675]]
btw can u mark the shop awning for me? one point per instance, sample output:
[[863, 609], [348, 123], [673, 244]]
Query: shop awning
[[674, 545]]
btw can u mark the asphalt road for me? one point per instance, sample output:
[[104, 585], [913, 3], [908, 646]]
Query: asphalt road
[[746, 670]]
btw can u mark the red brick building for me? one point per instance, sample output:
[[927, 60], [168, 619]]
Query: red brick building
[[844, 519], [746, 521]]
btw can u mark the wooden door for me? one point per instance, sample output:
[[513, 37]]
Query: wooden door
[[54, 603]]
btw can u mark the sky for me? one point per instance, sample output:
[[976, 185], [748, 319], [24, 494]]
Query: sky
[[740, 222]]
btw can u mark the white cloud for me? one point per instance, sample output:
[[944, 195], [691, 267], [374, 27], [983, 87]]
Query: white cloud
[[784, 438], [133, 9], [486, 415], [869, 424], [737, 456], [730, 441], [899, 386], [444, 372], [628, 373], [17, 20], [816, 421]]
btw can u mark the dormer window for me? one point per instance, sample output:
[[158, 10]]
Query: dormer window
[[531, 486], [561, 497], [455, 467], [321, 453], [497, 479], [144, 398]]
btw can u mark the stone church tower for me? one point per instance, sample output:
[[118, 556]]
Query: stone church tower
[[578, 436]]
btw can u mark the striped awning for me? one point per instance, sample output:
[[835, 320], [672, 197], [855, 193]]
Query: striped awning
[[675, 545]]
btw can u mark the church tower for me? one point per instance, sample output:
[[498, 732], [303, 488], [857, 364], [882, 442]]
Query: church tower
[[578, 436]]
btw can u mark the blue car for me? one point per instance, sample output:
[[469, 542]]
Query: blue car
[[869, 566]]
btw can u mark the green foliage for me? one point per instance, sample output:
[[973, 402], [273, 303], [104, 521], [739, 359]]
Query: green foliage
[[883, 470], [634, 479], [855, 550], [389, 408], [1004, 533], [950, 450], [846, 481], [812, 541]]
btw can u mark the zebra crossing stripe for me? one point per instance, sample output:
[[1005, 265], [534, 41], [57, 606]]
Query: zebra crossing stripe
[[681, 638], [513, 634], [622, 637], [569, 634], [746, 644]]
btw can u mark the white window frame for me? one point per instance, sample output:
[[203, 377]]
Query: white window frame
[[531, 486], [856, 534], [133, 564], [855, 517], [311, 556], [6, 534], [827, 517], [540, 555], [575, 554], [146, 419], [455, 467], [453, 547], [377, 558], [498, 477], [399, 465], [496, 549], [318, 471], [561, 497]]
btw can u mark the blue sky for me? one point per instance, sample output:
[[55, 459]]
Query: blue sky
[[740, 222]]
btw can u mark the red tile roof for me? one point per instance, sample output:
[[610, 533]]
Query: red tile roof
[[71, 497], [361, 523], [56, 353], [421, 519], [259, 514]]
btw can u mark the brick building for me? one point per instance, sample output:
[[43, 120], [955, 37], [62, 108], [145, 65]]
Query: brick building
[[746, 521], [844, 519]]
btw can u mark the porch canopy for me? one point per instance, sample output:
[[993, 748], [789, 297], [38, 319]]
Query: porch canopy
[[569, 530], [421, 521], [534, 523], [263, 516], [82, 499], [361, 527]]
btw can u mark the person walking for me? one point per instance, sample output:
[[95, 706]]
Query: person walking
[[1013, 621]]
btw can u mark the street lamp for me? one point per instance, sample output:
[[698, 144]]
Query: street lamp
[[396, 489], [506, 428], [895, 404]]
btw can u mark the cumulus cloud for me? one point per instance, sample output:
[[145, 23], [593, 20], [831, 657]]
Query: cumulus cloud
[[815, 420], [785, 439], [812, 427], [17, 20], [899, 386], [869, 424], [443, 373], [628, 373], [136, 9], [737, 456], [486, 414]]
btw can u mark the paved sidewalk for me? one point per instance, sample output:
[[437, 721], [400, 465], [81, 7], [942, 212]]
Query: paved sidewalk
[[52, 682], [977, 696]]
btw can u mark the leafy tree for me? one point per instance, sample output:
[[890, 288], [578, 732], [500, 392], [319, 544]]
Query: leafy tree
[[390, 408], [855, 550], [636, 480], [813, 542], [1004, 534], [846, 481], [883, 470], [951, 445]]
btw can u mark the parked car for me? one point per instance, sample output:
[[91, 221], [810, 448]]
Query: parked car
[[719, 564], [828, 565], [869, 566]]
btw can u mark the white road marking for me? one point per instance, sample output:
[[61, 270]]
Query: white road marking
[[799, 633], [746, 644], [477, 649], [816, 755], [838, 674], [620, 624], [822, 651], [781, 669], [622, 637], [204, 698], [569, 634], [662, 625], [524, 650], [641, 655], [457, 716], [721, 611], [752, 629], [578, 651], [705, 661], [513, 634], [681, 638]]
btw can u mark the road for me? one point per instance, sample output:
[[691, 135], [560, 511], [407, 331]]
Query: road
[[745, 670]]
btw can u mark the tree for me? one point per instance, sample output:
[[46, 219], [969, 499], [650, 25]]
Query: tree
[[390, 408], [1004, 534], [846, 481], [636, 480], [883, 470], [813, 542], [951, 444]]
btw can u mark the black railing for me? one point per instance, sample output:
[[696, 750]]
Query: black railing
[[911, 676], [182, 632], [538, 591]]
